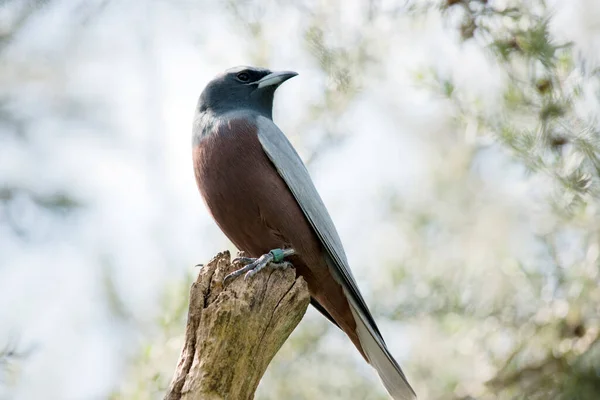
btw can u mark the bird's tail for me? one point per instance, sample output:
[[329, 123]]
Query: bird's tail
[[380, 357]]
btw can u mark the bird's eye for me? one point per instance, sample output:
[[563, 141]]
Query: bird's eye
[[243, 76]]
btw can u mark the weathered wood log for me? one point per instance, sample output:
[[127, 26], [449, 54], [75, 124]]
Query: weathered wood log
[[234, 331]]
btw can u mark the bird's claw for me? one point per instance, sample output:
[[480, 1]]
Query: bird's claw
[[243, 260], [254, 265], [271, 264]]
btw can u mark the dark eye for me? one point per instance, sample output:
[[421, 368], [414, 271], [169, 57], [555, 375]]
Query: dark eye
[[243, 76]]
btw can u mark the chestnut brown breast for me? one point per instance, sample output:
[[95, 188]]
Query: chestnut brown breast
[[253, 206]]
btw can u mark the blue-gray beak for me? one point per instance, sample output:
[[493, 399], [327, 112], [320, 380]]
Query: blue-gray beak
[[276, 78]]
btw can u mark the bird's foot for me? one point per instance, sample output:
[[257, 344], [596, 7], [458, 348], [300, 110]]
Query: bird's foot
[[273, 258]]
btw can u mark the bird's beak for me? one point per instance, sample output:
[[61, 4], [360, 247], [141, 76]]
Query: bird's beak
[[276, 78]]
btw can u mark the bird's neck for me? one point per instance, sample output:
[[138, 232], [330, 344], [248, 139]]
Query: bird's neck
[[206, 122]]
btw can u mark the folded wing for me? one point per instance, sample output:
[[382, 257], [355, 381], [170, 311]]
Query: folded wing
[[293, 171]]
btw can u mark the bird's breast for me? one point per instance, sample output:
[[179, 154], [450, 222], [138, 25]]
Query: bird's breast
[[225, 159], [241, 188]]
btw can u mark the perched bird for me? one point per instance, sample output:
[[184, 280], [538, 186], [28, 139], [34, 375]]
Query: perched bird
[[260, 194]]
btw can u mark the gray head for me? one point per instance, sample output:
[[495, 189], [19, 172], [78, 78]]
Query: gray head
[[247, 88]]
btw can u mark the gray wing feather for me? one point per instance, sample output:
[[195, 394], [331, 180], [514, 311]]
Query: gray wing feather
[[293, 171]]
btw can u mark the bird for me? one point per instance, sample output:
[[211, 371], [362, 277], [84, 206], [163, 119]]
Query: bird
[[260, 194]]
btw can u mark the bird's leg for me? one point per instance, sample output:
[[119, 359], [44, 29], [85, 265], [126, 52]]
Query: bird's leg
[[273, 258]]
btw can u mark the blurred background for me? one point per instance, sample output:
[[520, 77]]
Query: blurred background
[[456, 144]]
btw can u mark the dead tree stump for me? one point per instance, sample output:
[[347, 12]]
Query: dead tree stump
[[233, 332]]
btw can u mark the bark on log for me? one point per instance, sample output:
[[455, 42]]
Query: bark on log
[[234, 332]]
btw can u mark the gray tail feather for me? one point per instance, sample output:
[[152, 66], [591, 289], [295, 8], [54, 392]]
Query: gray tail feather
[[381, 359]]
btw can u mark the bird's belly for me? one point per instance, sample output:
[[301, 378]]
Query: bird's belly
[[247, 197]]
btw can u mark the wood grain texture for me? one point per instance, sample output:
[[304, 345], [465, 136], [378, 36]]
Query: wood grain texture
[[234, 332]]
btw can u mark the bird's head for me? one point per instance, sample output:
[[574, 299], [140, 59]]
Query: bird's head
[[243, 88]]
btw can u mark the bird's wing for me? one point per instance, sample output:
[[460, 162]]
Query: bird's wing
[[293, 171]]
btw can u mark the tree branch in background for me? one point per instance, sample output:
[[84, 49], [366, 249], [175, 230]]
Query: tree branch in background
[[233, 332]]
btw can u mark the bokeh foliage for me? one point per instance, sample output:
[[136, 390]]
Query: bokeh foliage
[[496, 293], [487, 323]]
